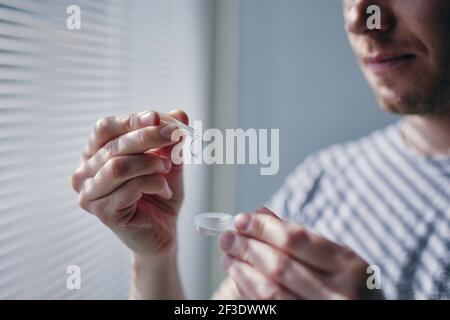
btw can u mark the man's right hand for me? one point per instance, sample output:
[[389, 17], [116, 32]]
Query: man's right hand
[[127, 179]]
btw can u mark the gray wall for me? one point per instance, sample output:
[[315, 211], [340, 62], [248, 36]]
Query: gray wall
[[297, 73]]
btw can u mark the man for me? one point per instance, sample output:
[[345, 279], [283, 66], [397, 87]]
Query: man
[[381, 201]]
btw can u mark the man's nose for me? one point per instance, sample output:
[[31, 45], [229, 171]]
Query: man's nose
[[356, 17]]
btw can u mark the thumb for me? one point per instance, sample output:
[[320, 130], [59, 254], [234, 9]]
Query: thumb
[[265, 210], [180, 116], [175, 176]]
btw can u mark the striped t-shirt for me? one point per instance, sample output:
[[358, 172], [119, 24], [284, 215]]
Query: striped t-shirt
[[390, 205]]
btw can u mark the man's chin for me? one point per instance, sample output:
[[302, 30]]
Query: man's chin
[[400, 111], [402, 100], [403, 105]]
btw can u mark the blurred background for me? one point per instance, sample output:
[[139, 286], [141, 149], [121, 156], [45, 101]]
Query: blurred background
[[282, 64]]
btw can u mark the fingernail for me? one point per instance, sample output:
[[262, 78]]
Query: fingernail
[[227, 261], [242, 221], [226, 240], [167, 131], [148, 118]]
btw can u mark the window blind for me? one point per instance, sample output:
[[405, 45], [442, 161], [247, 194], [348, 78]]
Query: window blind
[[127, 57]]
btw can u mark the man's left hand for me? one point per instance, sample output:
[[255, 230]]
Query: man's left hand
[[273, 259]]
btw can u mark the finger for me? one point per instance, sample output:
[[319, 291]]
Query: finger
[[109, 128], [252, 283], [121, 169], [167, 151], [131, 191], [138, 141], [277, 265], [292, 239], [227, 291], [180, 115], [265, 210], [114, 206]]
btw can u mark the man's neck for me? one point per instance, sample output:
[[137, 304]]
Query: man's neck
[[428, 136]]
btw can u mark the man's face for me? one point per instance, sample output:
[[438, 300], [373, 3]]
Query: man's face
[[407, 62]]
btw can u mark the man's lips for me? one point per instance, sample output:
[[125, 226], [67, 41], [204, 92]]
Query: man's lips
[[386, 61]]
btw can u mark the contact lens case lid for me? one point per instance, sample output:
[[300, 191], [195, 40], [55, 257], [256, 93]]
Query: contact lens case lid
[[213, 223]]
